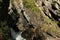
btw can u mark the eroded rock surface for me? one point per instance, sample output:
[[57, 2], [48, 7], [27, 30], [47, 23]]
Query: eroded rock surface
[[37, 20]]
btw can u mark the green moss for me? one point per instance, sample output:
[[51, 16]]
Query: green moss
[[0, 0], [30, 4], [51, 26], [5, 30], [11, 1]]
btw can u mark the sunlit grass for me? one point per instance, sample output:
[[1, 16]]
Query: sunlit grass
[[30, 4], [11, 1]]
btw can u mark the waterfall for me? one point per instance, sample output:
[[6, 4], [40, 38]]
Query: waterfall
[[18, 5], [16, 36]]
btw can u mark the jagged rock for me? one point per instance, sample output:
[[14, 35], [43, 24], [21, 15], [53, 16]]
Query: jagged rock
[[25, 19]]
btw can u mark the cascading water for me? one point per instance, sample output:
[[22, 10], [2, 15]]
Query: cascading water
[[18, 6], [16, 36]]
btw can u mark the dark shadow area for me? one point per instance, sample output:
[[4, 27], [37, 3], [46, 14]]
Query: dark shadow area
[[22, 11], [49, 34], [13, 19], [59, 24], [4, 16], [56, 17], [4, 9], [53, 7], [43, 4], [48, 15], [38, 38], [27, 34]]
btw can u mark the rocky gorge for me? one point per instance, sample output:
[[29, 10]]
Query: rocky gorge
[[30, 19]]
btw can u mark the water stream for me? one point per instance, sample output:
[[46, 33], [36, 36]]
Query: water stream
[[16, 36]]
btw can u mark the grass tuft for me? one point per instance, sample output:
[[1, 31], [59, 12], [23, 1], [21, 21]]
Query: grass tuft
[[30, 4]]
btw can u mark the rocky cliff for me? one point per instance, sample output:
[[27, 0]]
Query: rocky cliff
[[36, 19]]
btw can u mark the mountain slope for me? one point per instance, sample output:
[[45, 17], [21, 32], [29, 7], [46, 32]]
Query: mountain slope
[[33, 19]]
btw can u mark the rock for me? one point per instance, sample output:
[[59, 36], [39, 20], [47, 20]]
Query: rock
[[25, 19], [56, 6]]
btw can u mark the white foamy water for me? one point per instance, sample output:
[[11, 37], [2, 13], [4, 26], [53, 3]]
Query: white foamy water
[[16, 36]]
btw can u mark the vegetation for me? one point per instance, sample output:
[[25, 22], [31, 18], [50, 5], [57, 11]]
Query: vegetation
[[30, 4], [5, 30], [50, 26], [43, 20], [12, 1]]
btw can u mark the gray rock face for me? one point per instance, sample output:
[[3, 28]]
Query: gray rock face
[[19, 14], [27, 20], [53, 6]]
